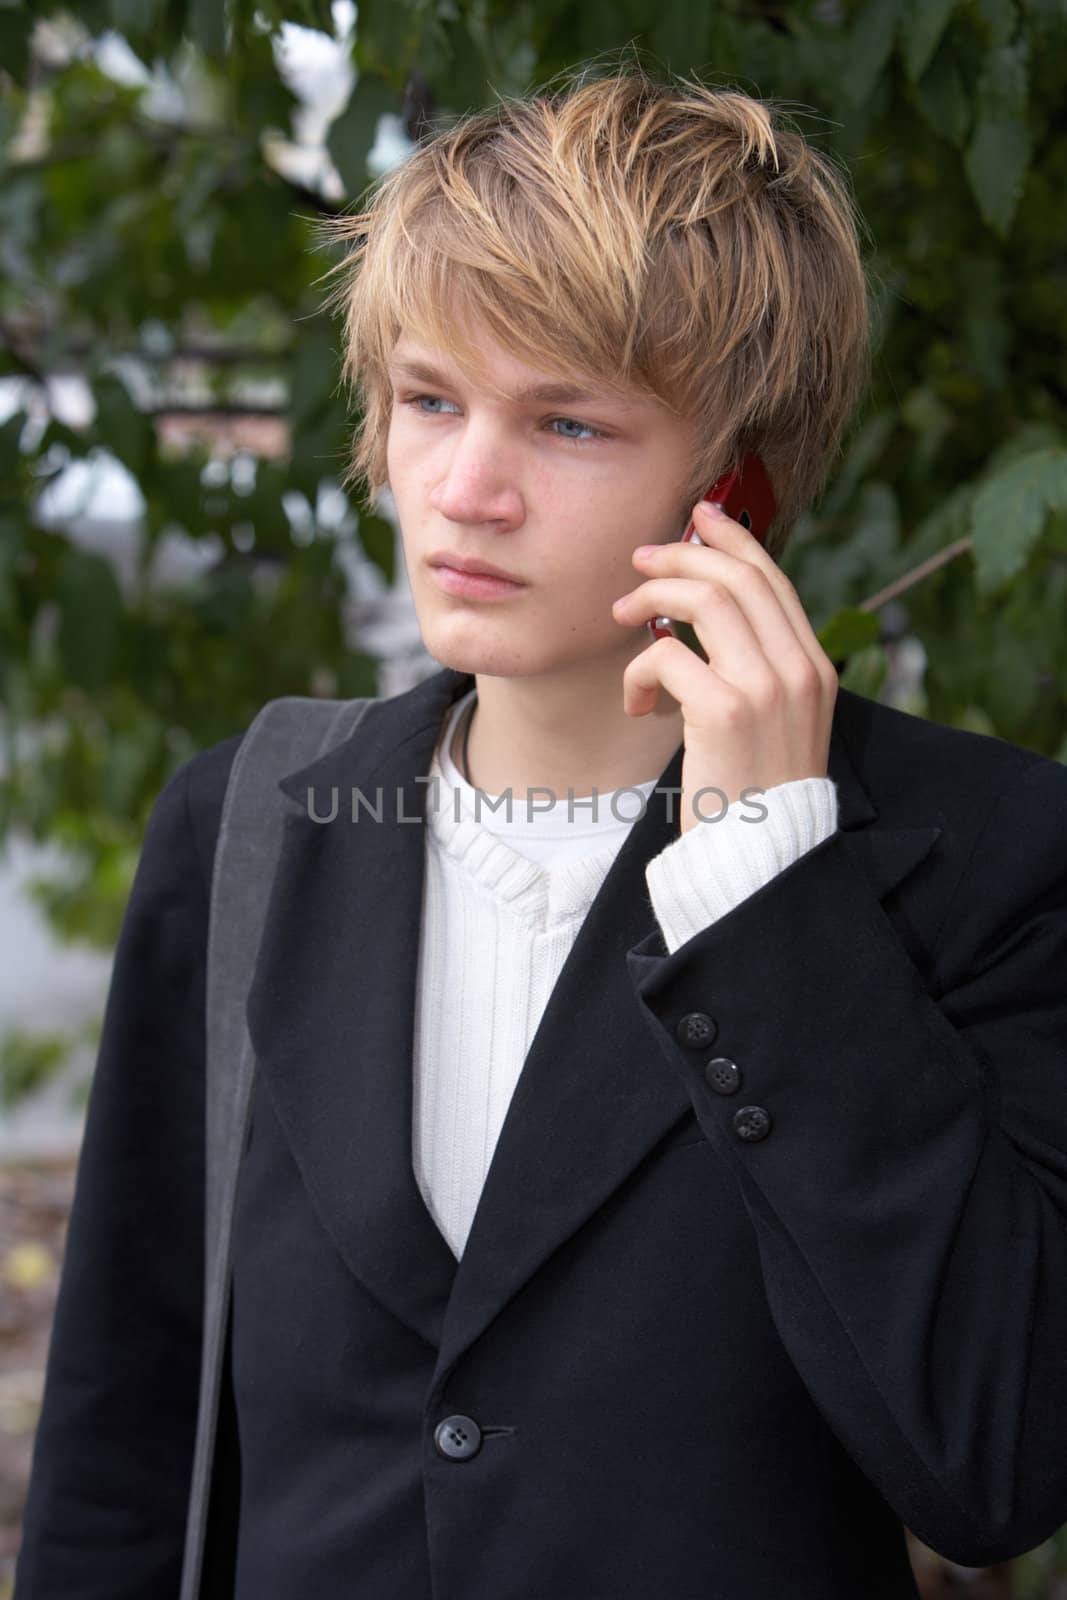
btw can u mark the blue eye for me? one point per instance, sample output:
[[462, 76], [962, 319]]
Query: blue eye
[[593, 432], [415, 401]]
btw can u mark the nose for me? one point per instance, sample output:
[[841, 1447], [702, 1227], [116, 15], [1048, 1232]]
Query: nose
[[476, 482]]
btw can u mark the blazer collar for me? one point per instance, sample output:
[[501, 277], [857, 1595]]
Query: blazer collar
[[331, 1019]]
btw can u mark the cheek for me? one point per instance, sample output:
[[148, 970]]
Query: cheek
[[399, 438], [598, 574]]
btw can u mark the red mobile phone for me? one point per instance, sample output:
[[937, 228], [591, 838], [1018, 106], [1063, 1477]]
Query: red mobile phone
[[744, 494]]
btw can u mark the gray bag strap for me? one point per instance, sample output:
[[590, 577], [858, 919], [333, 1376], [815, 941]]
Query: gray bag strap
[[286, 734]]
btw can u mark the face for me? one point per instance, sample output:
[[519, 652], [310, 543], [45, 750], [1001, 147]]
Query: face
[[554, 490]]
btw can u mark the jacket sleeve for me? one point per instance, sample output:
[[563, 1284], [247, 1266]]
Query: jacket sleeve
[[105, 1511], [909, 1199]]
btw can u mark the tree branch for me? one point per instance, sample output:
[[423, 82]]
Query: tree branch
[[923, 570]]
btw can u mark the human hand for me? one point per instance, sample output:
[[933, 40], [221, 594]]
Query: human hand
[[759, 711]]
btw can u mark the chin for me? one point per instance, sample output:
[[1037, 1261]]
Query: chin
[[482, 660], [488, 657], [493, 647]]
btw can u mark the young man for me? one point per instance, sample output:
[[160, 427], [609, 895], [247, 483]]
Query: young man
[[637, 1205]]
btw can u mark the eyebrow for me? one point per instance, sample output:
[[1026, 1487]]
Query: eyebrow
[[559, 394]]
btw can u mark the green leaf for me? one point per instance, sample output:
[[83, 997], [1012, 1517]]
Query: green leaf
[[679, 27], [1010, 511], [973, 719], [877, 524], [183, 493], [259, 96], [848, 631], [357, 676], [316, 413], [1047, 14], [120, 426], [132, 757], [922, 23], [1013, 668], [206, 25], [352, 134], [943, 98], [999, 151], [28, 1061], [985, 322], [10, 434], [320, 15], [11, 538], [1001, 20], [389, 37], [1028, 437], [866, 672], [944, 525], [90, 616], [76, 442], [15, 30], [227, 602], [869, 47], [315, 373], [931, 420], [863, 449], [140, 22]]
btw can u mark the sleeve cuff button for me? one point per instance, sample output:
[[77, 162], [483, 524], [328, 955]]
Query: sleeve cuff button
[[752, 1123]]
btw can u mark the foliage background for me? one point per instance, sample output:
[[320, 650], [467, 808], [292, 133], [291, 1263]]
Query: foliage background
[[169, 261]]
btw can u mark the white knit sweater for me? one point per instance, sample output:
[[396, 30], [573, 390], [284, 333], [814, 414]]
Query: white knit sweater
[[502, 906]]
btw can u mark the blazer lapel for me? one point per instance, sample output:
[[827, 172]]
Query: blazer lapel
[[331, 1018]]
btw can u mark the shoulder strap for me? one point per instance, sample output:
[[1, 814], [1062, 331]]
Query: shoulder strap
[[287, 733]]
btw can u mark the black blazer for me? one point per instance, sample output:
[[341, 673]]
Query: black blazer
[[693, 1350]]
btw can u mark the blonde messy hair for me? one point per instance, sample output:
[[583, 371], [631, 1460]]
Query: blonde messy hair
[[663, 237]]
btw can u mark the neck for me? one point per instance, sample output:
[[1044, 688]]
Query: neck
[[528, 734]]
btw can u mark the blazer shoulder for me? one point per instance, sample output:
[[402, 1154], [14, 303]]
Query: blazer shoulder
[[918, 762]]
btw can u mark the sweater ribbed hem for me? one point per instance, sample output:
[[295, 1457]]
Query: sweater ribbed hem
[[706, 872]]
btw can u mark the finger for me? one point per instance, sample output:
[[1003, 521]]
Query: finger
[[736, 543], [746, 636], [671, 665], [717, 530]]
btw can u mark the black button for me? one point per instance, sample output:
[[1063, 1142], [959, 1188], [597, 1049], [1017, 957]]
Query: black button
[[752, 1122], [458, 1438], [723, 1075], [696, 1030]]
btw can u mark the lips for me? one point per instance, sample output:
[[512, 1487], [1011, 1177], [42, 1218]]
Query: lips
[[476, 569]]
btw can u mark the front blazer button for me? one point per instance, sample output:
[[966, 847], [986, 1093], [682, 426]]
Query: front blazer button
[[696, 1030], [723, 1075], [752, 1122], [458, 1438]]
